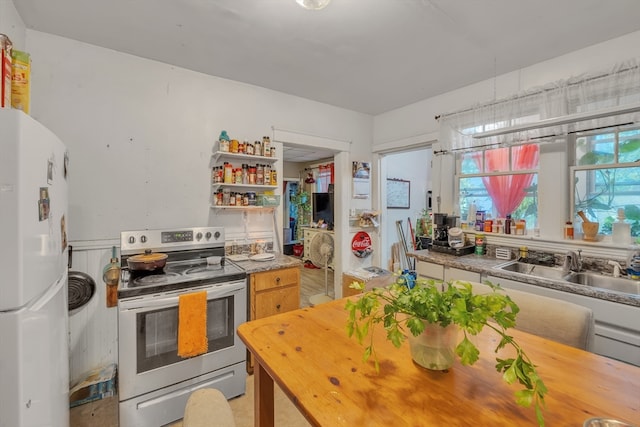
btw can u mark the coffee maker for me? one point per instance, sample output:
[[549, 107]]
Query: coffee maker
[[440, 243], [442, 224]]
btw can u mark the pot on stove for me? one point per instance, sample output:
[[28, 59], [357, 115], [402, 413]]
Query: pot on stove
[[147, 262]]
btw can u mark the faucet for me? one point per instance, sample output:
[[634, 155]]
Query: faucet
[[617, 268], [572, 262]]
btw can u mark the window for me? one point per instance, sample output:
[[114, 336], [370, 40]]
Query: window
[[500, 181], [606, 177]]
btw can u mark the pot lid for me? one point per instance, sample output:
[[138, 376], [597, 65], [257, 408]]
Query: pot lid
[[149, 257]]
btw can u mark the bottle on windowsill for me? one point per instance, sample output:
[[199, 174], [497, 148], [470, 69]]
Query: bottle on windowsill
[[621, 230], [568, 230]]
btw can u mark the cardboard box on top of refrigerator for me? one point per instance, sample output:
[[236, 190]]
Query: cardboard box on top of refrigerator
[[5, 71], [20, 80], [97, 384]]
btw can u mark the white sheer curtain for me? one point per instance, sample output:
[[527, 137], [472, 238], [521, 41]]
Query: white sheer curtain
[[618, 87]]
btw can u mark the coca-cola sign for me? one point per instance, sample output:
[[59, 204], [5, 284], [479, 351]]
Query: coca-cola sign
[[361, 244]]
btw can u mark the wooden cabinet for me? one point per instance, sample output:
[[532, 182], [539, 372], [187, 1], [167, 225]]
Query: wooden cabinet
[[272, 292]]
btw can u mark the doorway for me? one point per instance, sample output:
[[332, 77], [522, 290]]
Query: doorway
[[412, 165]]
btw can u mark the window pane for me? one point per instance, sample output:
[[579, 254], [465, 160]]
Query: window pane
[[497, 160], [629, 148], [471, 163], [595, 149], [491, 194], [599, 193], [525, 157]]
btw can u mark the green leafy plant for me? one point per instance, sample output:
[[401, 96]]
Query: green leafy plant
[[302, 208], [399, 308]]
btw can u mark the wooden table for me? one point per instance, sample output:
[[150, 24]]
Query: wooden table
[[307, 352]]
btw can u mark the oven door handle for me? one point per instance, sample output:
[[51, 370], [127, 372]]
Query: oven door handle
[[171, 298]]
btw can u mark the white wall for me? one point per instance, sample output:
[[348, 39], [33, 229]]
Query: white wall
[[416, 121], [140, 136], [11, 24], [140, 133], [413, 166]]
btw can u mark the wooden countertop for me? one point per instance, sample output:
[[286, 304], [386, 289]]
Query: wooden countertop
[[307, 352]]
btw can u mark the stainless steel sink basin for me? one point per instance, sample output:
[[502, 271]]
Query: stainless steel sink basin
[[617, 284], [533, 270]]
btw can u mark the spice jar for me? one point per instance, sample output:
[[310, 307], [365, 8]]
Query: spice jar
[[228, 173], [568, 230], [480, 243], [521, 226], [488, 225], [252, 175]]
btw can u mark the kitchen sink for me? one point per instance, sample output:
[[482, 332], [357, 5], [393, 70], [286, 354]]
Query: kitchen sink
[[617, 284], [533, 270]]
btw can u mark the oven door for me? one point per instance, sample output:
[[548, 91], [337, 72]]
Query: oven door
[[148, 338]]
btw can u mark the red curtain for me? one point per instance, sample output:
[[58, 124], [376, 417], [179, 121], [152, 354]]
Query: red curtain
[[508, 191]]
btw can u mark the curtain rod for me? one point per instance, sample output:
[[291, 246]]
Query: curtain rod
[[537, 92]]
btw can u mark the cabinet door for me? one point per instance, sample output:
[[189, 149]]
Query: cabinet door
[[276, 278], [451, 273], [277, 301], [430, 270]]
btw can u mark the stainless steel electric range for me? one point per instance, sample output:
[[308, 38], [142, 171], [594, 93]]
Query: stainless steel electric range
[[154, 382]]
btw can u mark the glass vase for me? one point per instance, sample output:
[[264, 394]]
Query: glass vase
[[435, 348]]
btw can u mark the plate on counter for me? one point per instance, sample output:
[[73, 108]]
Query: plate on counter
[[262, 257]]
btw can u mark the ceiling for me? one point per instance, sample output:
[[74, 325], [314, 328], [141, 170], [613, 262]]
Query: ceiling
[[370, 56]]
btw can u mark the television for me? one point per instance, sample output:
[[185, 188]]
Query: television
[[323, 208]]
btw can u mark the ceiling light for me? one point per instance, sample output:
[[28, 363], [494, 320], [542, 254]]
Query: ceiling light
[[313, 4]]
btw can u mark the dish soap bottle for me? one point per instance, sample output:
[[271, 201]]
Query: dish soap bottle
[[621, 231]]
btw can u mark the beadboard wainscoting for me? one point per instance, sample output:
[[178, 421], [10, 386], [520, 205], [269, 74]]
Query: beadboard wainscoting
[[93, 328]]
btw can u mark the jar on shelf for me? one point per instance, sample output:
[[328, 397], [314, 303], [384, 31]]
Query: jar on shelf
[[521, 226], [260, 174], [249, 148], [267, 174], [252, 175], [245, 173], [266, 146], [238, 199], [238, 176], [228, 173], [224, 145], [274, 177], [226, 197], [242, 147], [218, 198], [258, 148], [232, 199], [233, 146]]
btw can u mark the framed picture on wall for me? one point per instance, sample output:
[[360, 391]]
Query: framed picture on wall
[[398, 193]]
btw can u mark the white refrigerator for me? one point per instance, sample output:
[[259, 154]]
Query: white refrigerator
[[34, 342]]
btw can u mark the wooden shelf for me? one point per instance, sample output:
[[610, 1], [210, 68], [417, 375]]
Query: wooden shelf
[[245, 208], [220, 155], [257, 188]]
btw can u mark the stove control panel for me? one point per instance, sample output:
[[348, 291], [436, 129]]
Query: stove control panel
[[134, 242]]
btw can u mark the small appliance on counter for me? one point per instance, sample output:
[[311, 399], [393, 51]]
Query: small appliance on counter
[[447, 237]]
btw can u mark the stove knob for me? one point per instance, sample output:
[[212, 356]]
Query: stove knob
[[143, 239], [198, 236], [208, 235], [216, 235], [132, 240]]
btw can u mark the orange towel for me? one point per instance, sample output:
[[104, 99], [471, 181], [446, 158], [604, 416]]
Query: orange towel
[[192, 324]]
